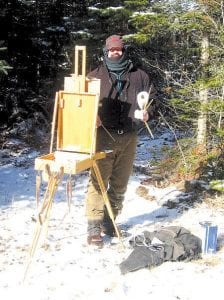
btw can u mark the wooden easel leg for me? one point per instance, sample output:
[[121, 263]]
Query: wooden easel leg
[[38, 183], [105, 197], [54, 121], [69, 192], [44, 215]]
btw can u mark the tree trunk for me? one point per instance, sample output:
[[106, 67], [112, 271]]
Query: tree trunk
[[222, 11], [203, 95], [221, 112]]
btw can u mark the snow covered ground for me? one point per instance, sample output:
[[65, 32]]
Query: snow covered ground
[[64, 268]]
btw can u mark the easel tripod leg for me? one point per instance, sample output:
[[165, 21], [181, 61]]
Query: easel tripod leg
[[43, 216], [105, 197], [69, 192]]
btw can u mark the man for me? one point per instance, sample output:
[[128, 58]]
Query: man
[[120, 84]]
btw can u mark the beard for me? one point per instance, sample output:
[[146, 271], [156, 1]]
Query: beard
[[115, 58]]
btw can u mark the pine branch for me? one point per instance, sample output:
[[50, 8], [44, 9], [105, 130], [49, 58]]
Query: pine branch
[[175, 136]]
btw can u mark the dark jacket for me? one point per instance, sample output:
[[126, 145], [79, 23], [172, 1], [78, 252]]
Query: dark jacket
[[116, 108]]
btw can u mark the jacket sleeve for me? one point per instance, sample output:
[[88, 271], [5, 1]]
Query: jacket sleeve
[[147, 85], [92, 74], [150, 88]]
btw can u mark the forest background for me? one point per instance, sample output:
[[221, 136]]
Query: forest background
[[179, 42]]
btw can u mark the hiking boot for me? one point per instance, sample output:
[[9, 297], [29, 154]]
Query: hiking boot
[[108, 226], [95, 240], [94, 233], [108, 229]]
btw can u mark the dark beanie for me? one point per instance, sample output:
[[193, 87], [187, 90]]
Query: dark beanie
[[114, 41]]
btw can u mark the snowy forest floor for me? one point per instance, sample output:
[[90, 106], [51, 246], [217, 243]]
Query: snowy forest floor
[[64, 268]]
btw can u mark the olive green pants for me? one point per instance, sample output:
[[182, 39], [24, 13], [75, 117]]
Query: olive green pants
[[115, 170]]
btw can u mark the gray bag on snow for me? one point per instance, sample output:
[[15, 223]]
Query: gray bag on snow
[[174, 243]]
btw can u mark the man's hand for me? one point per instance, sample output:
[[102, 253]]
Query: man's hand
[[142, 115], [145, 116], [98, 122]]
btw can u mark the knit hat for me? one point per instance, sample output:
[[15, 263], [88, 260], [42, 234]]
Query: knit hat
[[114, 41]]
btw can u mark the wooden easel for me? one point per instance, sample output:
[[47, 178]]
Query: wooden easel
[[74, 119]]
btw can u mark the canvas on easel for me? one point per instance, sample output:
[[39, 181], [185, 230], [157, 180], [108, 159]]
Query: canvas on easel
[[76, 133]]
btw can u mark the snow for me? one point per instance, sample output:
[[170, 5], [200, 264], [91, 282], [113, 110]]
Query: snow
[[108, 8], [63, 266]]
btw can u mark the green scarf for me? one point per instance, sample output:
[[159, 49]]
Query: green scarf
[[118, 69], [117, 66]]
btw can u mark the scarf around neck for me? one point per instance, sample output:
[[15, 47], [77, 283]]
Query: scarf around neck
[[117, 66]]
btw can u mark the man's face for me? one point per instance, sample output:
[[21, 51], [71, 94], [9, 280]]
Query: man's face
[[115, 53]]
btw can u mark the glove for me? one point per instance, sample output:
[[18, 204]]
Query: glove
[[141, 115]]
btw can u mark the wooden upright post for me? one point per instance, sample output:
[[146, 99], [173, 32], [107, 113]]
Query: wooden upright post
[[80, 52], [80, 66]]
